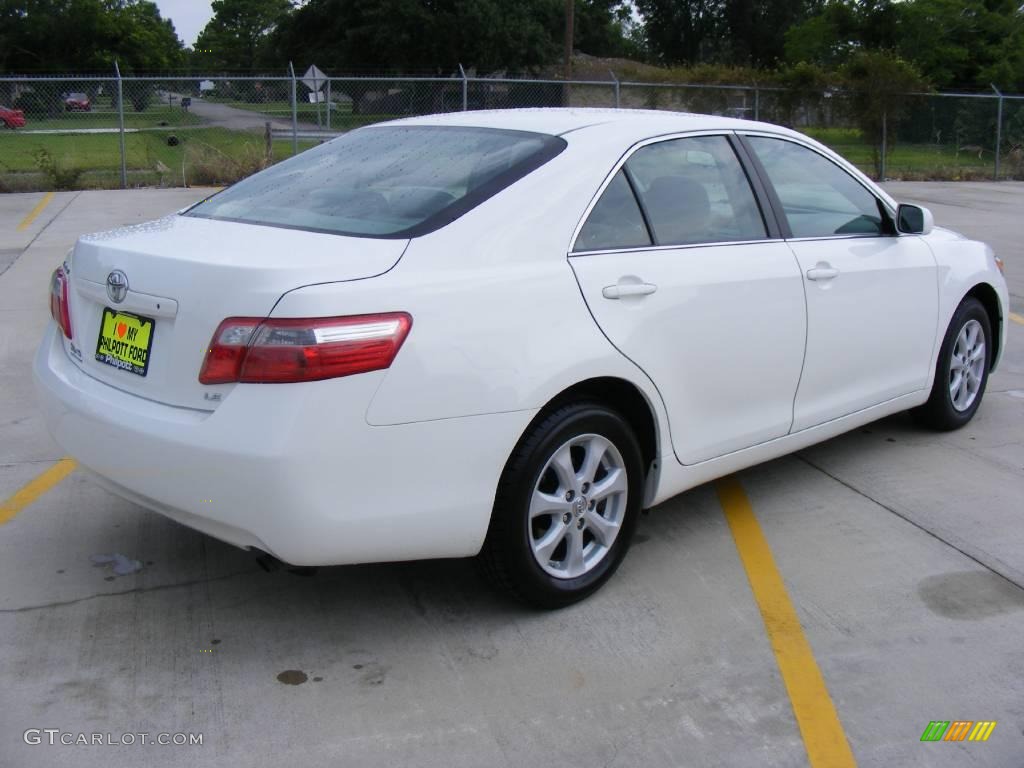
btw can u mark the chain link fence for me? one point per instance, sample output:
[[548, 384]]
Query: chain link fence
[[113, 132]]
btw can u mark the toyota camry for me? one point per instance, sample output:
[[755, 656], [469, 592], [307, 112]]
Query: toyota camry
[[504, 334]]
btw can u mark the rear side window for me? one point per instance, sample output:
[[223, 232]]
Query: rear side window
[[388, 181], [819, 198], [615, 221], [694, 190]]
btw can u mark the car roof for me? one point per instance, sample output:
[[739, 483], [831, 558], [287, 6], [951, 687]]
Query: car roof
[[635, 123]]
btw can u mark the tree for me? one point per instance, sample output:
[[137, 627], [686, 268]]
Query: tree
[[965, 43], [953, 43], [682, 31], [755, 30], [236, 35], [423, 35], [827, 38], [85, 36], [602, 28], [734, 32], [878, 83]]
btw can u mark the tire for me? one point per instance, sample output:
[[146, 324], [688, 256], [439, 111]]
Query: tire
[[549, 475], [950, 407]]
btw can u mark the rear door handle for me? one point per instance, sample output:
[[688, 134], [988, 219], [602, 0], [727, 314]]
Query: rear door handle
[[622, 290], [822, 271]]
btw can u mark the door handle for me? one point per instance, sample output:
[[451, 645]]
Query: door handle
[[622, 290], [822, 271]]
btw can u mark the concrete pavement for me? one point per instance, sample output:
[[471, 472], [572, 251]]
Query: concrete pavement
[[900, 549]]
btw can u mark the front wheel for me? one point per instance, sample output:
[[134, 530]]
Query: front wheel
[[961, 372], [566, 507]]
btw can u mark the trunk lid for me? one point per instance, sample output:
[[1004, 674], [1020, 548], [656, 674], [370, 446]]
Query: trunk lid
[[187, 275]]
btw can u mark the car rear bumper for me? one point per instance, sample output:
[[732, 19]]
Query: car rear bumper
[[292, 469]]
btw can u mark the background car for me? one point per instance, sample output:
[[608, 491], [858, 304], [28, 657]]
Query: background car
[[504, 334], [77, 102], [12, 118]]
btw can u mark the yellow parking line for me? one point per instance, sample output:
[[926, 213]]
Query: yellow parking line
[[35, 488], [1017, 318], [815, 713], [35, 211]]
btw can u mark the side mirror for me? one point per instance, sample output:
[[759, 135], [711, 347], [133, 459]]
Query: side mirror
[[914, 219]]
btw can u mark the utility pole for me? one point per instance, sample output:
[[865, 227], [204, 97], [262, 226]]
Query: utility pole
[[570, 11]]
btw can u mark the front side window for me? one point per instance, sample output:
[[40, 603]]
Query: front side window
[[387, 181], [694, 190], [819, 198]]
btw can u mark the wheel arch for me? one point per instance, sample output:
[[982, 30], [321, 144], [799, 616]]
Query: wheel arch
[[989, 299], [629, 400]]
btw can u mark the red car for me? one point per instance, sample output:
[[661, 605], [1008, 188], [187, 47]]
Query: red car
[[12, 118], [77, 102]]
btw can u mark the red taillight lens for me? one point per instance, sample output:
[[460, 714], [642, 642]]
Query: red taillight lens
[[59, 308], [227, 350], [276, 351]]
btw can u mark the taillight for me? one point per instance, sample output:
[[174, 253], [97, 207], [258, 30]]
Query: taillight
[[59, 308], [276, 351]]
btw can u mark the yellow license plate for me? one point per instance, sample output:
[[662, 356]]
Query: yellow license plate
[[125, 341]]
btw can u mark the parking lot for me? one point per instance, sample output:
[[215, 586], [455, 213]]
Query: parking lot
[[902, 552]]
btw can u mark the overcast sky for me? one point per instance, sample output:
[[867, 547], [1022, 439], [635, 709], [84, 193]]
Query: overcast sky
[[189, 16]]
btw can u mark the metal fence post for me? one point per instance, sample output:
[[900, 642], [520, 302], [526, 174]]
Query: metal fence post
[[615, 80], [295, 112], [757, 102], [881, 168], [328, 104], [465, 89], [999, 127], [120, 126]]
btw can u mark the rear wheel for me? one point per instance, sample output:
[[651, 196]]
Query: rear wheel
[[566, 507], [961, 371]]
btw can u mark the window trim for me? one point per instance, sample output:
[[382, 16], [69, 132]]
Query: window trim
[[768, 214], [776, 202], [631, 184]]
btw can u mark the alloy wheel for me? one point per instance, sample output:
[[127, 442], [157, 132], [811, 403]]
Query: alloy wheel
[[967, 365], [578, 506]]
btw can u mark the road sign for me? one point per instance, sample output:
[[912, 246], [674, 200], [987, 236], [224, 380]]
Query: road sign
[[314, 79]]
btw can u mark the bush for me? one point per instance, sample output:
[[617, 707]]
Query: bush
[[36, 104], [141, 99], [804, 84], [59, 175], [878, 83], [207, 165]]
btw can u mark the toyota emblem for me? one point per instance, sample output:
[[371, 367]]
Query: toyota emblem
[[117, 286]]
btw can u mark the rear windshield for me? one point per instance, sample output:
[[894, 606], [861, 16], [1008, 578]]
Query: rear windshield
[[387, 181]]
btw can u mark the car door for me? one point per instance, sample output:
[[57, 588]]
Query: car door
[[872, 295], [687, 277]]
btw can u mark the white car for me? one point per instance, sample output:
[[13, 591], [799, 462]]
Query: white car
[[505, 333]]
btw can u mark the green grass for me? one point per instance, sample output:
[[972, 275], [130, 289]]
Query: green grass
[[104, 117], [910, 161], [209, 154], [149, 159]]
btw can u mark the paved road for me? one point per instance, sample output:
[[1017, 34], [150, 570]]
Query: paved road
[[902, 550], [986, 211], [224, 116]]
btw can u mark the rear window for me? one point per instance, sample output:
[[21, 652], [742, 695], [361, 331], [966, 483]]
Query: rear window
[[388, 181]]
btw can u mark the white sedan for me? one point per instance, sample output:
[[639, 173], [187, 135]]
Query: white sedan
[[504, 334]]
